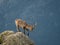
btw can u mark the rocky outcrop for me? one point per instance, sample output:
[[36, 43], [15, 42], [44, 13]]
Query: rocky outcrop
[[12, 38]]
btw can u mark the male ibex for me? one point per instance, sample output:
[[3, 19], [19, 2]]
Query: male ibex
[[22, 24]]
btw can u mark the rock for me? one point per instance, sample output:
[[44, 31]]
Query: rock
[[4, 35], [12, 38]]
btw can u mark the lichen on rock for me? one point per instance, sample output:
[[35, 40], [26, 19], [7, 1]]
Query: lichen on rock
[[12, 38], [4, 35]]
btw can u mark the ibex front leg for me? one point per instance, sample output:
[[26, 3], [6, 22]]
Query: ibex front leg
[[28, 32]]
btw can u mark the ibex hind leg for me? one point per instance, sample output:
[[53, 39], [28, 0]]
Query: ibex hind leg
[[24, 31], [28, 34], [18, 28]]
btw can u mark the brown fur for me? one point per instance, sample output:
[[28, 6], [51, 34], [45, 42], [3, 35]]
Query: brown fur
[[22, 24]]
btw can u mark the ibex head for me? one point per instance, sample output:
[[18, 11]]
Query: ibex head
[[30, 27], [33, 26]]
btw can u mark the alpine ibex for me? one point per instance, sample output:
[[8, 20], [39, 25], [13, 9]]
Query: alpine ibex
[[22, 24]]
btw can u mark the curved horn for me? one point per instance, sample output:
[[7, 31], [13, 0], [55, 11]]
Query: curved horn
[[34, 26]]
